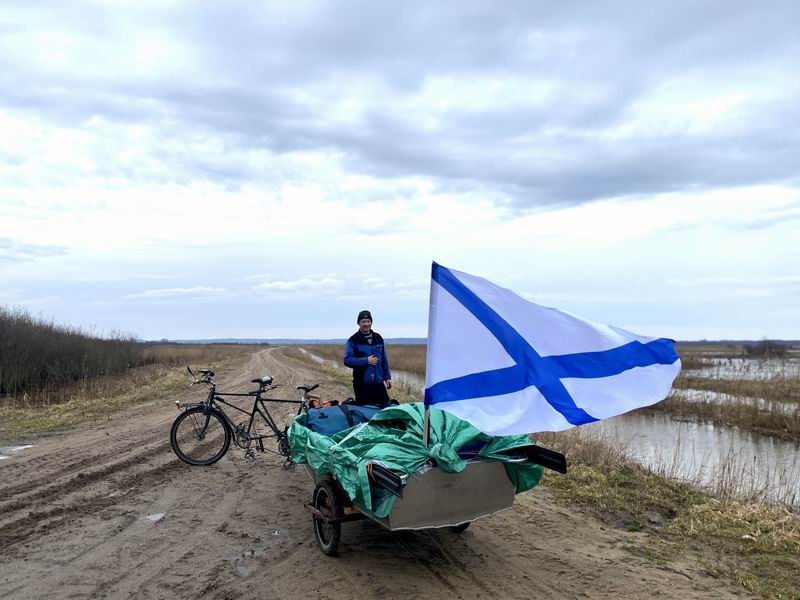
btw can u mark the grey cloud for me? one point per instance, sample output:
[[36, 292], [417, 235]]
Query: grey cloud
[[603, 58], [12, 251], [770, 218]]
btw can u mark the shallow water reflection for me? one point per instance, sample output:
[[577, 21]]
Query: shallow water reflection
[[747, 368], [7, 451], [702, 452]]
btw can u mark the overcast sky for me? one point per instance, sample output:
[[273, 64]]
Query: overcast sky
[[251, 169]]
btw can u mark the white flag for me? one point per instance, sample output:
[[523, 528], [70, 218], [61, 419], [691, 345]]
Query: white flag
[[510, 366]]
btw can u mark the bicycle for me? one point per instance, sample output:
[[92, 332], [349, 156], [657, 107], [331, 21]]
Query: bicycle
[[201, 435]]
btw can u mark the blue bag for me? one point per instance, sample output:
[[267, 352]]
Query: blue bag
[[329, 420]]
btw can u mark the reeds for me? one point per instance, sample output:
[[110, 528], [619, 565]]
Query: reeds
[[781, 419]]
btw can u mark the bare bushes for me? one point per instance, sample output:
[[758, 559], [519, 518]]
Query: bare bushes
[[766, 349], [42, 362], [37, 355]]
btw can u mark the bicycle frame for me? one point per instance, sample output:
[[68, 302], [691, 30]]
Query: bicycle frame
[[215, 399]]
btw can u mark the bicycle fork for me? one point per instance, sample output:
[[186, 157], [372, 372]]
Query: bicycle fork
[[198, 431]]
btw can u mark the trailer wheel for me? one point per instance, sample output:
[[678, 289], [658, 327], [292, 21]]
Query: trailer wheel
[[327, 501], [460, 528]]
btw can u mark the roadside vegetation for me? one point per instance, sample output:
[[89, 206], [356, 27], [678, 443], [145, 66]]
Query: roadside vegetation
[[93, 399], [54, 376], [38, 357]]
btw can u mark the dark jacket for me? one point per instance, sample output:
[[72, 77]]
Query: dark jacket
[[357, 352]]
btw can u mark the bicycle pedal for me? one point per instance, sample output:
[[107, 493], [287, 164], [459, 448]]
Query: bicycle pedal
[[250, 455]]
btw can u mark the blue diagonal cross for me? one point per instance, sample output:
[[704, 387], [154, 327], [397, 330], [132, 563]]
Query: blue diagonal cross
[[544, 372]]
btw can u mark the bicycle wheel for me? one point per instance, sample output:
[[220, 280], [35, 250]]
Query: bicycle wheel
[[200, 439]]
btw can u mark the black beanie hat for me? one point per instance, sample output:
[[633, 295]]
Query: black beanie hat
[[364, 314]]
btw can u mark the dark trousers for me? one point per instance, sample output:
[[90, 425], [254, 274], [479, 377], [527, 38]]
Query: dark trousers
[[370, 393]]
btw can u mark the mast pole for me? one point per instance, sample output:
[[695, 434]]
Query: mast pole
[[426, 424]]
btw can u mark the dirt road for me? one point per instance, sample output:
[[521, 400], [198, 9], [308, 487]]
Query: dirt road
[[107, 511]]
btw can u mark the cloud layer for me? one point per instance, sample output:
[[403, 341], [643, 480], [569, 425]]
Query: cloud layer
[[188, 169], [537, 104]]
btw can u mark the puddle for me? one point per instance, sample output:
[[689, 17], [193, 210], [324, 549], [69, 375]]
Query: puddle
[[7, 451], [708, 396], [245, 562], [244, 570], [155, 517]]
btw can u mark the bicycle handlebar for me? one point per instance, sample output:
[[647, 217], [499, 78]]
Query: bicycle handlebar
[[208, 376]]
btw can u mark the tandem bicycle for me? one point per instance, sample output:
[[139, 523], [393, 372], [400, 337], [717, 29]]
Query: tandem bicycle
[[202, 432]]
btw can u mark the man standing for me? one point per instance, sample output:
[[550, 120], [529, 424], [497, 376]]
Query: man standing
[[365, 353]]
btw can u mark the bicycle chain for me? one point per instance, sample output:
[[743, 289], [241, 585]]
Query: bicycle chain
[[242, 437]]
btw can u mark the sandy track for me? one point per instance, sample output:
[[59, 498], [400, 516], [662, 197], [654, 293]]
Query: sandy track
[[74, 524]]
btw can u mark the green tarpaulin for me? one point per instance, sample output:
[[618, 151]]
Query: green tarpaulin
[[393, 438]]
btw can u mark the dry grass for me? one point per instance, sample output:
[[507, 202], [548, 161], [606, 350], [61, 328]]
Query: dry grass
[[177, 355], [20, 422], [756, 546], [403, 357], [92, 399], [157, 357]]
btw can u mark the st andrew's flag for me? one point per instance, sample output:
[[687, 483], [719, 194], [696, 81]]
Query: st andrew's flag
[[510, 366]]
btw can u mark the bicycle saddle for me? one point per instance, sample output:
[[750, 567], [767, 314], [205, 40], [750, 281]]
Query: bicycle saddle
[[307, 388], [265, 380]]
